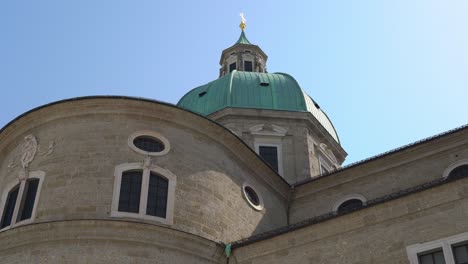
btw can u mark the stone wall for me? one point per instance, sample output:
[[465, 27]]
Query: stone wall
[[101, 241], [303, 136], [90, 139], [378, 234], [386, 175]]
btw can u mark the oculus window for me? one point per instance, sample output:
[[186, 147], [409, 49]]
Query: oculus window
[[252, 197], [149, 143]]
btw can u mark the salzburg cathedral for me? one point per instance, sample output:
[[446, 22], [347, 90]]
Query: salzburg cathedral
[[245, 169]]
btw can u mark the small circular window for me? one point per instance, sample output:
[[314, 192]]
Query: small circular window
[[252, 197], [149, 143]]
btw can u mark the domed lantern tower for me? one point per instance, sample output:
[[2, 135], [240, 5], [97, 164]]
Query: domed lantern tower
[[242, 56], [270, 112]]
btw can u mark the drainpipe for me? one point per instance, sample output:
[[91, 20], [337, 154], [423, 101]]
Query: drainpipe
[[227, 251]]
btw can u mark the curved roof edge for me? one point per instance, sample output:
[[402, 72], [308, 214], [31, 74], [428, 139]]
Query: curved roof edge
[[317, 112], [92, 97]]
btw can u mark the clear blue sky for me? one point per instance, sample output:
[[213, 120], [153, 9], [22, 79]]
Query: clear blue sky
[[387, 72]]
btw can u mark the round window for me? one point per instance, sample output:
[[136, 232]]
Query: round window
[[253, 198], [149, 143]]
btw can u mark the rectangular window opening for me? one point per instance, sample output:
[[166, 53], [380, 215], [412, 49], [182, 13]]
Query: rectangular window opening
[[157, 196], [9, 207], [270, 155], [232, 67], [130, 190], [460, 253], [433, 257], [248, 66], [28, 199]]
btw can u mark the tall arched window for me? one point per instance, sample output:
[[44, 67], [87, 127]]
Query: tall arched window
[[143, 192], [19, 200]]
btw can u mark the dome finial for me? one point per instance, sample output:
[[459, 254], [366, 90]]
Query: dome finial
[[242, 24]]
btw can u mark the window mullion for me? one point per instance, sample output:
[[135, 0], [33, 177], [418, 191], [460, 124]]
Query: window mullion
[[19, 198], [144, 192], [448, 254]]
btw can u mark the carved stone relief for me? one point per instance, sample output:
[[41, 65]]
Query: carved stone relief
[[28, 151]]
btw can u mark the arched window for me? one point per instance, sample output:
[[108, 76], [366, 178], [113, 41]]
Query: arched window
[[459, 172], [456, 170], [19, 200], [349, 203], [145, 192]]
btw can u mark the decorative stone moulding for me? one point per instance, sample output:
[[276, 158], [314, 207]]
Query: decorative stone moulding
[[268, 130], [152, 135]]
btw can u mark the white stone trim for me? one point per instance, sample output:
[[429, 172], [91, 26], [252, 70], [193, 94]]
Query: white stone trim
[[271, 142], [32, 175], [275, 130], [323, 162], [144, 192], [453, 166], [347, 198], [167, 145], [445, 244], [258, 207]]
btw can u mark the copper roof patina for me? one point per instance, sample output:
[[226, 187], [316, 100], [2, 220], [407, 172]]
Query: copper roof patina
[[243, 39], [273, 91]]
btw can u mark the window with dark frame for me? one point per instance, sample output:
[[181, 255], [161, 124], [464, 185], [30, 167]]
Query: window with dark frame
[[460, 253], [25, 204], [433, 257], [248, 67], [28, 199], [232, 67], [270, 155], [130, 193], [9, 208], [157, 195]]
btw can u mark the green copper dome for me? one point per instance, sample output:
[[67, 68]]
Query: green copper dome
[[240, 89]]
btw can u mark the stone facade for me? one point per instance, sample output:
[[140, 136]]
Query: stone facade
[[81, 141], [62, 184]]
